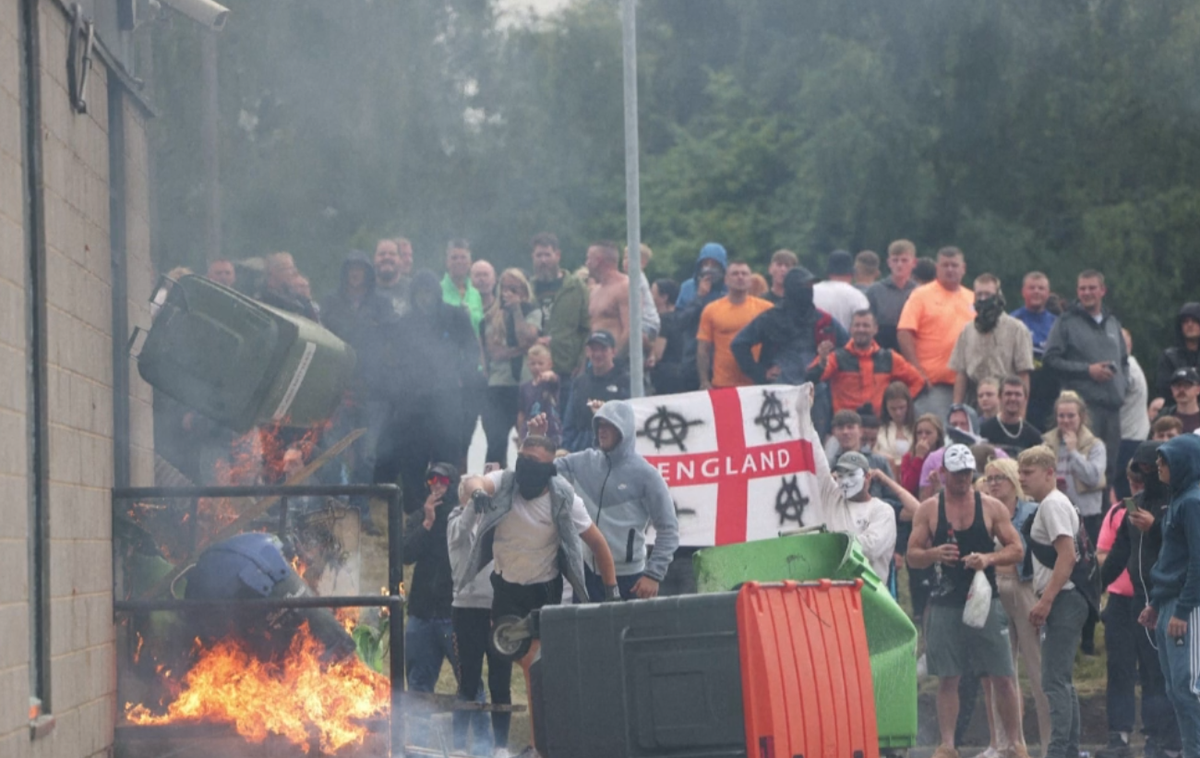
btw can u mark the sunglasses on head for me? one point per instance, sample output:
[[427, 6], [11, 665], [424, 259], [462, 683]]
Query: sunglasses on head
[[438, 480]]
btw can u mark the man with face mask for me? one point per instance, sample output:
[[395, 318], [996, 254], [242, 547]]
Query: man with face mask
[[960, 532], [993, 345], [848, 506], [624, 494], [534, 526], [790, 334], [423, 363]]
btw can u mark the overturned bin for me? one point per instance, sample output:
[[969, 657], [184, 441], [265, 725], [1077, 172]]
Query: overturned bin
[[770, 671], [240, 362], [891, 636]]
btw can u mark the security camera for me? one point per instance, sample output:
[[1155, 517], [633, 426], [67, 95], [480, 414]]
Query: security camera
[[205, 12]]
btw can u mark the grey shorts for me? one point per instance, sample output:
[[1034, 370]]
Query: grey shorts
[[952, 648]]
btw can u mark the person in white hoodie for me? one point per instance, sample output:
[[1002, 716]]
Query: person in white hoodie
[[847, 506]]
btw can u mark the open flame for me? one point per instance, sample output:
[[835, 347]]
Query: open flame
[[295, 697]]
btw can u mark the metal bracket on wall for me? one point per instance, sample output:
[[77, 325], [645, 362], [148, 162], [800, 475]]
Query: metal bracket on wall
[[79, 61]]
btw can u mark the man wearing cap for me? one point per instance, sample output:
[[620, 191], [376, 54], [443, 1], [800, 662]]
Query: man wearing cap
[[837, 295], [429, 633], [956, 532], [848, 506], [602, 380], [1185, 389]]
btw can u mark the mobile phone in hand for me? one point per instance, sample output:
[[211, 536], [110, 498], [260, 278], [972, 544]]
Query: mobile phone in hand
[[1131, 505]]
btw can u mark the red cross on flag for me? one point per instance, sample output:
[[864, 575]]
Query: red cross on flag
[[739, 461]]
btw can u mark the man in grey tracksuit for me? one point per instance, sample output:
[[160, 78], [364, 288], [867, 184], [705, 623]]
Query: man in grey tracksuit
[[624, 494]]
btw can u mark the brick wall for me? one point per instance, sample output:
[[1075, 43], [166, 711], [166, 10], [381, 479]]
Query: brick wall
[[76, 164]]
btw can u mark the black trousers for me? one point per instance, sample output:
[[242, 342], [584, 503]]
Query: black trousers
[[472, 627], [499, 418], [1132, 659], [417, 434]]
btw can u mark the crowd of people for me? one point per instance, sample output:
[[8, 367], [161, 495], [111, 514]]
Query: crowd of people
[[960, 437]]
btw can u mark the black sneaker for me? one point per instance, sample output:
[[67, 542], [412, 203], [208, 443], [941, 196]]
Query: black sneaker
[[1117, 747]]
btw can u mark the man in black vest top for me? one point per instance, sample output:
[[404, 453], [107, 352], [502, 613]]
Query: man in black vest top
[[956, 532]]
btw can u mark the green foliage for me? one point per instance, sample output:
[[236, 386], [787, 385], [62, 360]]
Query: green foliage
[[1055, 136]]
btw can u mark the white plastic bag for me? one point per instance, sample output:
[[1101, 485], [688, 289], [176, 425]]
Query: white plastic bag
[[979, 602]]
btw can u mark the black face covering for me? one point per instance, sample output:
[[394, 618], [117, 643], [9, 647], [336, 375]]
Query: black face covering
[[988, 311], [798, 290], [533, 476]]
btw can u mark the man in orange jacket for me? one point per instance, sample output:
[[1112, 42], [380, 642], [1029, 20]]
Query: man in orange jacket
[[860, 372]]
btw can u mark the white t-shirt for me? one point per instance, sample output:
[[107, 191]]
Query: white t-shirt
[[526, 541], [1055, 517], [840, 300]]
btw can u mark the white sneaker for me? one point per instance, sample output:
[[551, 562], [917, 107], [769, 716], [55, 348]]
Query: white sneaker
[[991, 752], [500, 752]]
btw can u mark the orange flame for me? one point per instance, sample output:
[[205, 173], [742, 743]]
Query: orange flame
[[293, 697]]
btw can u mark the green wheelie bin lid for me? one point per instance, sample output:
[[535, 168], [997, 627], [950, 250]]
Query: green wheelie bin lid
[[891, 636], [240, 362]]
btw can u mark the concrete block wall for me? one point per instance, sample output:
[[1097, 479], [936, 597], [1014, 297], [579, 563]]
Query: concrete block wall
[[76, 161]]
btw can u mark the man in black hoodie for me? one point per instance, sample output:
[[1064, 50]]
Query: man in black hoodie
[[790, 334], [360, 316], [1135, 549], [423, 364], [1186, 354]]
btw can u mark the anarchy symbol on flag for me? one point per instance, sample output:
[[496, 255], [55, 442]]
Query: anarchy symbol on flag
[[747, 459]]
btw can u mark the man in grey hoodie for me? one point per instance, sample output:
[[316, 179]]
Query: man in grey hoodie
[[624, 494]]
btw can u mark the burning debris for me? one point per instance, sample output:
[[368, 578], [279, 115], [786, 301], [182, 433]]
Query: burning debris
[[296, 695]]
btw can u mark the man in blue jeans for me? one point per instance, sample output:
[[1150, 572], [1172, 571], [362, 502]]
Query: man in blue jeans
[[1174, 610], [429, 633]]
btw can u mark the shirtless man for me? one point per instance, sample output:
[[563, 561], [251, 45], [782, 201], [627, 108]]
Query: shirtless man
[[609, 304], [957, 531]]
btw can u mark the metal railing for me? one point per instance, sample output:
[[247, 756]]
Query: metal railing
[[392, 600]]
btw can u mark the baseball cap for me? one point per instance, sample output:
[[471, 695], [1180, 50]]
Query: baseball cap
[[603, 338], [1146, 453], [841, 263], [851, 460], [1187, 374], [958, 458]]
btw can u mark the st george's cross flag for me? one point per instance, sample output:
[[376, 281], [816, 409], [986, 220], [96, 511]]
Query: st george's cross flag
[[739, 461]]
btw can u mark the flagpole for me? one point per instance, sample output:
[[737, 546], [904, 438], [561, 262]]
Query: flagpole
[[633, 232]]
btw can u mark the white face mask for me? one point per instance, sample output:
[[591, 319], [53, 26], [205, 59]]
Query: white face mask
[[852, 484]]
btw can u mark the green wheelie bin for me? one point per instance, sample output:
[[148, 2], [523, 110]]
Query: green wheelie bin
[[891, 636], [240, 362]]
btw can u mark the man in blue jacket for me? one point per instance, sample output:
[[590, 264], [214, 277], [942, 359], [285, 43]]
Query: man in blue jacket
[[624, 494], [1174, 610]]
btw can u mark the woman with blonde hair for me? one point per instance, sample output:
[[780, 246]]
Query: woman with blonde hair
[[511, 325], [1015, 586], [1082, 459]]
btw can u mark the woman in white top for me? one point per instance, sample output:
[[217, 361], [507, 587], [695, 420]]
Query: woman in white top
[[898, 420]]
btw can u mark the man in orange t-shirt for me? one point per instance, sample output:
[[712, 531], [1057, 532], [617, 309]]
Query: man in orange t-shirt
[[720, 322], [930, 323]]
